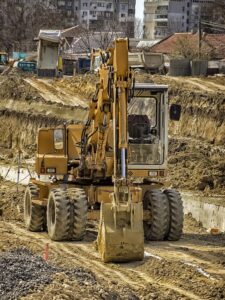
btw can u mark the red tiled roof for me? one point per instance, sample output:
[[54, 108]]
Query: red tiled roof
[[212, 43]]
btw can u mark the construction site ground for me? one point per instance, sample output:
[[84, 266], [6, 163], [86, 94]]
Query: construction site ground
[[192, 268]]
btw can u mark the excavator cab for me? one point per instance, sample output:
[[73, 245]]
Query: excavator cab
[[147, 126]]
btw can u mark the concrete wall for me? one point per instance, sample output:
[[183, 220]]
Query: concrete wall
[[209, 211]]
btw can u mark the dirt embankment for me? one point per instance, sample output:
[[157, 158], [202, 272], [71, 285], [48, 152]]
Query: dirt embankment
[[26, 104], [196, 155], [196, 165], [203, 107], [82, 85]]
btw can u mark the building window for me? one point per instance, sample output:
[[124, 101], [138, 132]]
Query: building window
[[101, 4], [61, 3]]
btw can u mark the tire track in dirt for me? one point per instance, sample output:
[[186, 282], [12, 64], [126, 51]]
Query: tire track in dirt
[[192, 82], [211, 84], [207, 256], [82, 256], [50, 93]]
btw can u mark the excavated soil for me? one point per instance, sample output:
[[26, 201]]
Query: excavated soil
[[192, 268], [197, 165], [82, 85], [196, 147], [203, 107], [28, 103], [196, 154]]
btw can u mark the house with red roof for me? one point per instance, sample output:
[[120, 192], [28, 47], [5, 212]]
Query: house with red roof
[[187, 45]]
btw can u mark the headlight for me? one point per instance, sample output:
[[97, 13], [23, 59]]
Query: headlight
[[153, 173], [51, 170]]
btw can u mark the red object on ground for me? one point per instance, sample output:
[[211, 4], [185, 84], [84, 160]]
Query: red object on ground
[[45, 256]]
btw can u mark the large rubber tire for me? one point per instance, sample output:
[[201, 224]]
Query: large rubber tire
[[78, 199], [66, 214], [175, 228], [33, 214], [156, 202]]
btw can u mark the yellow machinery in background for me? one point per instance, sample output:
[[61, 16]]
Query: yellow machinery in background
[[112, 168]]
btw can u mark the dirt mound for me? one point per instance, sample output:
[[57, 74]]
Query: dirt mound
[[11, 201], [83, 85], [195, 164], [14, 87], [203, 107], [181, 274]]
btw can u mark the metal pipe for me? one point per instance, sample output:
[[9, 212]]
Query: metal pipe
[[123, 162]]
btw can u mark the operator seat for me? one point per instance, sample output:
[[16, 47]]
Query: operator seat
[[139, 129]]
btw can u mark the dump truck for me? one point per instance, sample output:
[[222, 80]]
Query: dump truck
[[49, 57], [112, 168], [150, 62]]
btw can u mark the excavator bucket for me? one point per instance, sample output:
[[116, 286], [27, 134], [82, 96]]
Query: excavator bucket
[[120, 236]]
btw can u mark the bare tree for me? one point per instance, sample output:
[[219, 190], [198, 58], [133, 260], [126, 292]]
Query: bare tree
[[101, 38], [186, 46], [18, 29], [138, 28]]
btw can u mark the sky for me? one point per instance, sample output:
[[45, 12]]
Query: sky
[[139, 8]]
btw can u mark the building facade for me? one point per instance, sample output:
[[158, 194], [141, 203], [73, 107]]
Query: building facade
[[164, 17], [100, 15], [184, 15], [155, 19]]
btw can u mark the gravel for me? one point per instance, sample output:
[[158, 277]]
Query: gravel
[[22, 272]]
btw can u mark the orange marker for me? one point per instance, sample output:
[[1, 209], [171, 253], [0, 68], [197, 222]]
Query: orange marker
[[45, 256]]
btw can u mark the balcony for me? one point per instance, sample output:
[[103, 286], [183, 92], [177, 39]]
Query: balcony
[[160, 20]]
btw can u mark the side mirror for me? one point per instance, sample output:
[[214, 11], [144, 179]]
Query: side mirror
[[175, 112]]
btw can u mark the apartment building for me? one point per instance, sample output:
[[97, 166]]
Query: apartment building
[[164, 17], [100, 14], [155, 19], [184, 15]]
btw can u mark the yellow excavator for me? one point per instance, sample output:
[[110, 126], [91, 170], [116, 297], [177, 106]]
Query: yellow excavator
[[110, 169]]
